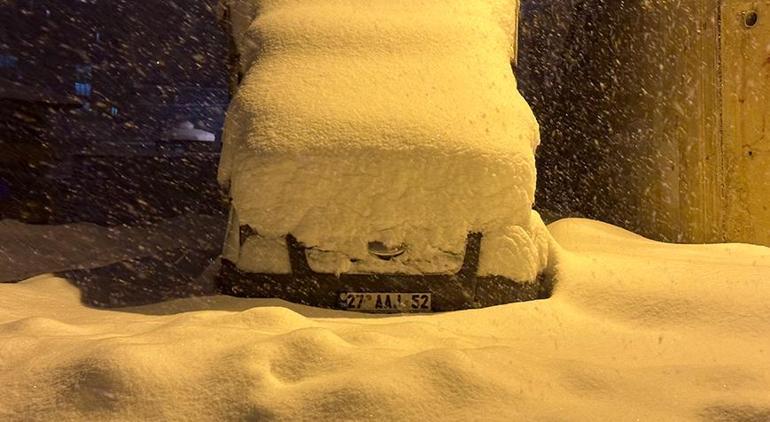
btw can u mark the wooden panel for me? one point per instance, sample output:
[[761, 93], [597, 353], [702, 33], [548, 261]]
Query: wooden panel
[[746, 115], [669, 139], [699, 134], [677, 66]]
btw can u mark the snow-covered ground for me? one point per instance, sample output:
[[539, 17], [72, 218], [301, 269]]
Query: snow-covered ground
[[27, 250], [636, 330], [117, 265]]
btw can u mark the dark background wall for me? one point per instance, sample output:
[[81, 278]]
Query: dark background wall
[[153, 60], [96, 84], [581, 70]]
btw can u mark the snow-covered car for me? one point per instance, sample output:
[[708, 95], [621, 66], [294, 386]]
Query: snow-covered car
[[186, 131], [379, 157]]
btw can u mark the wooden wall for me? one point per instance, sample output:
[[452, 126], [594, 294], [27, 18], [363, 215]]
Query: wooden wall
[[654, 115]]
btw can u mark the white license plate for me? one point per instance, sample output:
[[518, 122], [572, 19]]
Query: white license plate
[[387, 302]]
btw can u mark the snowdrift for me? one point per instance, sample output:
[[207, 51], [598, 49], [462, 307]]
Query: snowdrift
[[636, 330], [397, 121]]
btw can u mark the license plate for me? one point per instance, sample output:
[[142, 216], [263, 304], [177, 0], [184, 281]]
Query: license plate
[[387, 302]]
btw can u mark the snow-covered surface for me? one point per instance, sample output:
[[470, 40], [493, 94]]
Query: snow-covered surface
[[636, 330], [186, 131], [394, 121], [27, 250]]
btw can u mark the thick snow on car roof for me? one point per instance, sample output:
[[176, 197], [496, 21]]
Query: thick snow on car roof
[[370, 119]]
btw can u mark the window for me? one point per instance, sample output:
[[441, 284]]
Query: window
[[83, 75], [83, 89], [8, 61]]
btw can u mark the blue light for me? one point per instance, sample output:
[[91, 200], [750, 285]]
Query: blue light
[[83, 89]]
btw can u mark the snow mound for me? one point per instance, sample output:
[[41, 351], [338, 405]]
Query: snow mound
[[722, 287], [186, 131], [637, 330], [395, 121]]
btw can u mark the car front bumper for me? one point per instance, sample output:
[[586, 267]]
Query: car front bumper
[[462, 290]]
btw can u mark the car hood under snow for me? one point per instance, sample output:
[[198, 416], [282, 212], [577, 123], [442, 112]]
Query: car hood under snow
[[391, 121]]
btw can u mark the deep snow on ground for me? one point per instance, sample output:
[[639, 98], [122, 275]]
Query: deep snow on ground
[[27, 250], [636, 330], [118, 265]]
